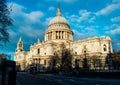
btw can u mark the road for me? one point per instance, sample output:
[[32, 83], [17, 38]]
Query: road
[[49, 79]]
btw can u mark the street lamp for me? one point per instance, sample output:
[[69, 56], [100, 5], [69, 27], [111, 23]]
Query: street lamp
[[85, 61], [85, 53], [110, 58], [110, 61], [100, 60]]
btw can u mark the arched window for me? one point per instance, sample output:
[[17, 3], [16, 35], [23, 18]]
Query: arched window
[[75, 53], [84, 49], [38, 51], [104, 47], [44, 62]]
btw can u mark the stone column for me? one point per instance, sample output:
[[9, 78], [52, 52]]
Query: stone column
[[64, 34], [61, 34], [67, 35], [54, 34], [71, 37], [50, 35], [35, 60], [46, 36], [57, 34]]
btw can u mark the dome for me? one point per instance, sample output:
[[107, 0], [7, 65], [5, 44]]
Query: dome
[[58, 29], [58, 19]]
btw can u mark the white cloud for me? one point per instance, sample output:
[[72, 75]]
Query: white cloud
[[77, 25], [81, 22], [16, 7], [73, 18], [108, 9], [78, 35], [18, 11], [116, 1], [86, 16], [92, 19], [67, 1], [115, 31], [51, 8], [82, 12], [30, 32], [91, 28], [82, 16], [115, 19], [47, 20], [26, 24], [106, 27], [114, 26], [118, 44], [34, 16], [12, 33]]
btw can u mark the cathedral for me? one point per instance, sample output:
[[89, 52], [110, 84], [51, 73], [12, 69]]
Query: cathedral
[[57, 34]]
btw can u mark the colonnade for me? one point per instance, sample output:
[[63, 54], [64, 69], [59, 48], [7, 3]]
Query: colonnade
[[36, 60], [58, 35]]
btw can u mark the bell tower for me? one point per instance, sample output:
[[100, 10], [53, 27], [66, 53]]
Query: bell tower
[[20, 45]]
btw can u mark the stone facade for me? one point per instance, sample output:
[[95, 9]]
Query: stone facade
[[59, 32]]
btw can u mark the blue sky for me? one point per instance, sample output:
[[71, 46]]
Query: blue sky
[[86, 18]]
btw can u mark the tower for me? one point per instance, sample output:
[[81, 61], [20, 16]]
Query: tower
[[20, 45]]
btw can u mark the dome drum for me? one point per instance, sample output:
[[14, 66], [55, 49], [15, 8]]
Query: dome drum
[[58, 34]]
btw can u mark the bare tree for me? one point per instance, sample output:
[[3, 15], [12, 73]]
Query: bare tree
[[3, 57], [85, 60], [5, 21], [61, 60], [54, 62], [116, 60], [66, 60]]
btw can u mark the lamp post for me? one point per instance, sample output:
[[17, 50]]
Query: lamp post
[[85, 61], [100, 60], [110, 58], [110, 61]]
